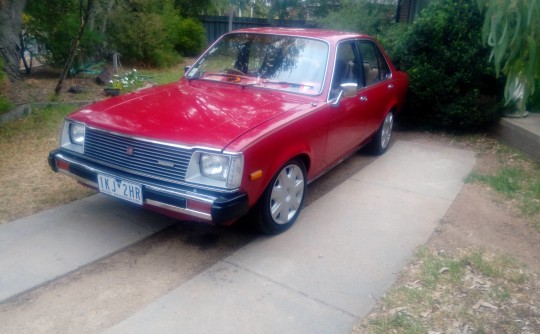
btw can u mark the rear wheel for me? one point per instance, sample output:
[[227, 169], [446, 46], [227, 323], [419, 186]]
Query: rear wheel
[[381, 141], [282, 200]]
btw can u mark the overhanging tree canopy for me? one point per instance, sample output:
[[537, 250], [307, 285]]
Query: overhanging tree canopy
[[512, 30]]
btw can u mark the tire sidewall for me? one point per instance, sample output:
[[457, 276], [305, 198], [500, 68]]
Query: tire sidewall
[[265, 220], [377, 147]]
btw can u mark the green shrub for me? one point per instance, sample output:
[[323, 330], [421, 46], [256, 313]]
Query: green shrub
[[142, 31], [5, 105], [190, 38], [54, 24], [443, 54], [361, 16], [533, 104], [3, 78], [152, 32]]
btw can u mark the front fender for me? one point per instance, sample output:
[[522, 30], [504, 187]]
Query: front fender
[[303, 137]]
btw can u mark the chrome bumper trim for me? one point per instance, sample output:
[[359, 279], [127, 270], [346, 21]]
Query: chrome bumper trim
[[189, 212], [78, 178]]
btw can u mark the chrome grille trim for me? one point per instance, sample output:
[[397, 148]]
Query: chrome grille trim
[[110, 149]]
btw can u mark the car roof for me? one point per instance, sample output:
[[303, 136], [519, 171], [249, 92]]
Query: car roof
[[330, 35]]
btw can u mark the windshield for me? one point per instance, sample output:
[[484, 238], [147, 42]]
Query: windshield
[[277, 62]]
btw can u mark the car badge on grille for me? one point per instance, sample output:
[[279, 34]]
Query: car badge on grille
[[130, 150], [165, 163]]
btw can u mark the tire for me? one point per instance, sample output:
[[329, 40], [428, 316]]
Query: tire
[[381, 140], [281, 203]]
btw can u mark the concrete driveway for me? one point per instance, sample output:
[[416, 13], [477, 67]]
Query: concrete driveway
[[321, 276]]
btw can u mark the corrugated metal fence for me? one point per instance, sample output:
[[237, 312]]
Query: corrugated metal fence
[[216, 26]]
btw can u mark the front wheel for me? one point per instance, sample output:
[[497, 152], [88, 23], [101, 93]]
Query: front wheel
[[381, 141], [282, 200]]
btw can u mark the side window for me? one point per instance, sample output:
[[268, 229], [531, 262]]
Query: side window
[[346, 69], [374, 64]]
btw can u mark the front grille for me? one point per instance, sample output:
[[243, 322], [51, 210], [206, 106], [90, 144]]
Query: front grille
[[154, 160]]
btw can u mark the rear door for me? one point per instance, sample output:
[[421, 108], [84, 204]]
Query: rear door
[[377, 85]]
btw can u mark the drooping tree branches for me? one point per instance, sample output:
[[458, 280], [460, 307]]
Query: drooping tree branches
[[512, 30]]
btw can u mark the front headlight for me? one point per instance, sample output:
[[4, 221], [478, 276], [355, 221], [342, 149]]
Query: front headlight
[[76, 133], [216, 166], [219, 170], [73, 136]]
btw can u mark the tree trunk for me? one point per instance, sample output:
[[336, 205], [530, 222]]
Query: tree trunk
[[75, 45], [10, 30], [103, 27], [231, 15]]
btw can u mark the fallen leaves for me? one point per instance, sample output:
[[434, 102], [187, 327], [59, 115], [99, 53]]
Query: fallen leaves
[[475, 302], [484, 304]]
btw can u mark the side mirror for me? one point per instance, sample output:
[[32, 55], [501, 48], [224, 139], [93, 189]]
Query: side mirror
[[347, 89], [187, 68]]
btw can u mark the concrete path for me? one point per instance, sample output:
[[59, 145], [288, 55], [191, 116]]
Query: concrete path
[[319, 277], [40, 248], [327, 271]]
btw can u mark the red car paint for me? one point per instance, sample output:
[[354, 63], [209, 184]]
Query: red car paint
[[267, 125]]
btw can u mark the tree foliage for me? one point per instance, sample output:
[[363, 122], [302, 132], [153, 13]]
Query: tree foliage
[[190, 8], [143, 31], [362, 16], [512, 30], [151, 32], [56, 32], [86, 7], [443, 53]]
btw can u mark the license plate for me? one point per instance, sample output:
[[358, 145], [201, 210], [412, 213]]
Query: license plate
[[125, 190]]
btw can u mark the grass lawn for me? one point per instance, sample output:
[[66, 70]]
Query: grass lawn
[[29, 185]]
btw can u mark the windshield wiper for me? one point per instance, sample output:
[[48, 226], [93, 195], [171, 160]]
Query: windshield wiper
[[292, 84], [232, 77]]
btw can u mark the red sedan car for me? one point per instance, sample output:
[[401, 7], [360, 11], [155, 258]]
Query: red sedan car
[[258, 116]]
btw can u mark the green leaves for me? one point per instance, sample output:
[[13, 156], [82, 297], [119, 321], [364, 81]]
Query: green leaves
[[511, 28], [361, 16], [443, 54]]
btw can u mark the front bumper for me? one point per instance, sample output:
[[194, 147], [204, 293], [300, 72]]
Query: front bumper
[[174, 200]]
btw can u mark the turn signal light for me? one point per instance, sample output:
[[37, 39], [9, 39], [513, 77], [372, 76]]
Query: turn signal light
[[255, 175]]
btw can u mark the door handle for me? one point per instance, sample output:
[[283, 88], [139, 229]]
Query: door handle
[[363, 98], [390, 86]]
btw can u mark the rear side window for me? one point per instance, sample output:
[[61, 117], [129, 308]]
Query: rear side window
[[374, 65]]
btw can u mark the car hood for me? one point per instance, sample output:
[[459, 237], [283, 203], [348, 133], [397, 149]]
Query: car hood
[[200, 113]]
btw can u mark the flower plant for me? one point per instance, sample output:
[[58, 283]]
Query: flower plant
[[126, 81]]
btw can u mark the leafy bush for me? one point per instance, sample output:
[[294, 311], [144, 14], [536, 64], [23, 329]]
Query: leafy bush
[[5, 105], [511, 29], [55, 32], [3, 78], [443, 54], [142, 32], [533, 103], [190, 38], [152, 32], [362, 16]]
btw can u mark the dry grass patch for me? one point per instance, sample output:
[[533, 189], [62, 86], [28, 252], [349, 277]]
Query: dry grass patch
[[28, 183], [477, 292]]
